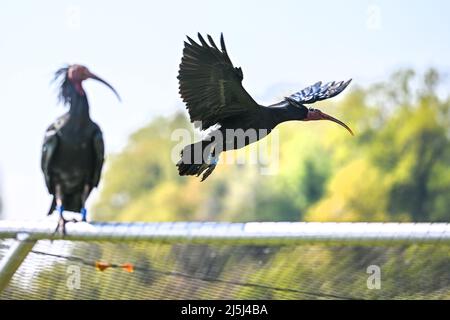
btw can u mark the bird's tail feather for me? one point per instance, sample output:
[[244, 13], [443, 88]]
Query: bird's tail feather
[[52, 206], [193, 161]]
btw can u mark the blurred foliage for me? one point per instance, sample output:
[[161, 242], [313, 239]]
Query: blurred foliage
[[395, 168]]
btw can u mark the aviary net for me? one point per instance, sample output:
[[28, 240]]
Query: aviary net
[[156, 270]]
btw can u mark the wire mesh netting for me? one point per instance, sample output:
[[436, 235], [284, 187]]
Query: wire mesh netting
[[4, 246], [154, 270]]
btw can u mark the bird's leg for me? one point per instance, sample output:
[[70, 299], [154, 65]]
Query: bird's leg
[[60, 208], [208, 159], [84, 196], [211, 163]]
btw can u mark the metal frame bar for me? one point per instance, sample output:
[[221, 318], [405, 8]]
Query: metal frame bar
[[14, 258], [236, 233]]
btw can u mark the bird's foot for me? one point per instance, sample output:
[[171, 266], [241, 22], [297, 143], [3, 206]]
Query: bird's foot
[[61, 226], [209, 169]]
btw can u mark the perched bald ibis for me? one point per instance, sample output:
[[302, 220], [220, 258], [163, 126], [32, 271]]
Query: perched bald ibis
[[73, 148], [212, 89]]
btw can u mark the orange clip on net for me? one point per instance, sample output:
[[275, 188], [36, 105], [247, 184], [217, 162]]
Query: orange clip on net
[[102, 266], [128, 267]]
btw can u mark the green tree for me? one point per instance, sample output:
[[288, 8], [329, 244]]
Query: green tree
[[400, 170]]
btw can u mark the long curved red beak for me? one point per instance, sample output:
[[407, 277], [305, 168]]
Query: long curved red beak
[[93, 76], [315, 114]]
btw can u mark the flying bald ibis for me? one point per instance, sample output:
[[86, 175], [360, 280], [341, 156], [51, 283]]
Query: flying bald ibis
[[73, 148], [212, 89]]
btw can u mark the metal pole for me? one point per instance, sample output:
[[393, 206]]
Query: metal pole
[[251, 233], [14, 258]]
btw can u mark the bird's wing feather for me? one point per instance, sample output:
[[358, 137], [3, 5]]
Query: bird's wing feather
[[99, 152], [210, 85], [48, 150], [49, 147], [316, 92]]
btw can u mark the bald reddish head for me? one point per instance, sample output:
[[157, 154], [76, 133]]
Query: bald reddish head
[[77, 73]]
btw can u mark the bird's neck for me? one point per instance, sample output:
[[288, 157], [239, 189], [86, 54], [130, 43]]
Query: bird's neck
[[79, 106], [289, 113]]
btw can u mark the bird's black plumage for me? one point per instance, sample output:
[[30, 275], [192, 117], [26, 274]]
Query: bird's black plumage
[[212, 89], [73, 148]]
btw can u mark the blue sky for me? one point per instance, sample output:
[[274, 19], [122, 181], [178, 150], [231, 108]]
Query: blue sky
[[137, 45]]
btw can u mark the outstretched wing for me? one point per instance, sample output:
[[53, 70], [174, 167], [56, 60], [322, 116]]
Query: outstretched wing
[[99, 156], [210, 85], [316, 92]]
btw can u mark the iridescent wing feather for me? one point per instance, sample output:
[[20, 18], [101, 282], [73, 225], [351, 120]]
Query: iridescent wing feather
[[316, 92]]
